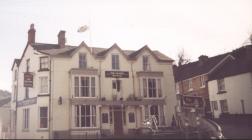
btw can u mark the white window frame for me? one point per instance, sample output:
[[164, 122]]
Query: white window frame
[[146, 63], [214, 105], [202, 81], [115, 62], [39, 118], [147, 113], [43, 86], [82, 60], [44, 63], [221, 106], [190, 88], [221, 84], [91, 115], [158, 88], [26, 118], [92, 90]]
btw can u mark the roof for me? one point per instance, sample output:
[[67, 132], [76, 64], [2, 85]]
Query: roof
[[195, 68], [55, 49], [241, 64], [16, 61]]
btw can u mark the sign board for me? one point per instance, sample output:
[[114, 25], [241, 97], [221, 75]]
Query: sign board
[[28, 79], [192, 101], [27, 102], [117, 74]]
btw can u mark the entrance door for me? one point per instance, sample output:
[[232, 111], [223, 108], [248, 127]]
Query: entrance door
[[118, 122]]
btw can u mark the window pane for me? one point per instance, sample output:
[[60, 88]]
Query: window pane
[[159, 88], [82, 61], [131, 117], [144, 87], [115, 61], [93, 86], [76, 86], [104, 117]]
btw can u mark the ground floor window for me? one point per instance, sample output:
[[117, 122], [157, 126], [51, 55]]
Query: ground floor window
[[26, 115], [131, 117], [214, 105], [224, 106], [105, 118], [43, 117], [85, 116], [157, 111]]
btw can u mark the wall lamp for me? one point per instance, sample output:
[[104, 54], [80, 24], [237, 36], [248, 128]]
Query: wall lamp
[[60, 100]]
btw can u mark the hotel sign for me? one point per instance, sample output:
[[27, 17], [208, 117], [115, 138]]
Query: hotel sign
[[27, 102], [117, 74], [28, 79], [192, 101]]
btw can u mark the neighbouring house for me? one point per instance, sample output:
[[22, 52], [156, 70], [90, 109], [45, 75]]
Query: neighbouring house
[[230, 86], [5, 118], [63, 91], [191, 79]]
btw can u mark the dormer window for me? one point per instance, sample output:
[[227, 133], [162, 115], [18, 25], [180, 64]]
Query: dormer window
[[115, 62], [44, 63], [146, 63], [82, 60]]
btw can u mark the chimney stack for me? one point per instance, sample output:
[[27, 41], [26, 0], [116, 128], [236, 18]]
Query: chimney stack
[[61, 38], [31, 34], [202, 59]]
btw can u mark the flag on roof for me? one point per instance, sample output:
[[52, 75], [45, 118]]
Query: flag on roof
[[83, 28]]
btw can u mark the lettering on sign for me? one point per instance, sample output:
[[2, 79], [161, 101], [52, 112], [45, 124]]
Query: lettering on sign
[[192, 101], [28, 79], [117, 74], [27, 102]]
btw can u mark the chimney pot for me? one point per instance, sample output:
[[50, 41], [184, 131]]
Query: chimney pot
[[61, 38], [31, 34]]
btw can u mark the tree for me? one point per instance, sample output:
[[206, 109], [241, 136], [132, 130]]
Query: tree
[[182, 59]]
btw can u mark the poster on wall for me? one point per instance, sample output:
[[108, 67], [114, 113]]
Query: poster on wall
[[28, 79]]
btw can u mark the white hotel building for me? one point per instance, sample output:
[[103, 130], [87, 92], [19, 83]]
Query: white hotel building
[[62, 91]]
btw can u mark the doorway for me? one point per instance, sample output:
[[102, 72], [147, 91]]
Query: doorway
[[118, 121]]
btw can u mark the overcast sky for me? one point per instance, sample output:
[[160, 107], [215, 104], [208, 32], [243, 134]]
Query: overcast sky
[[209, 27]]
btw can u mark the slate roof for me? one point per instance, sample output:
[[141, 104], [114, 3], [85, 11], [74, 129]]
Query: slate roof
[[195, 68], [241, 64], [54, 49]]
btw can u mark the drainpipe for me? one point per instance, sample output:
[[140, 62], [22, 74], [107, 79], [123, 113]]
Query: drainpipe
[[50, 100], [15, 135], [100, 95], [133, 78]]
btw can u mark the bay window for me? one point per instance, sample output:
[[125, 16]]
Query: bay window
[[84, 86], [152, 87], [85, 116]]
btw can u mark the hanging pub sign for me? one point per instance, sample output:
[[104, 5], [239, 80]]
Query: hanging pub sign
[[117, 74], [192, 101], [28, 79]]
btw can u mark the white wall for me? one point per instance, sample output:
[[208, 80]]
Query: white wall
[[238, 87], [34, 131]]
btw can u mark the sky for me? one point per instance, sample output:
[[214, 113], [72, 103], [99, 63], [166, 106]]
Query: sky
[[200, 27]]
